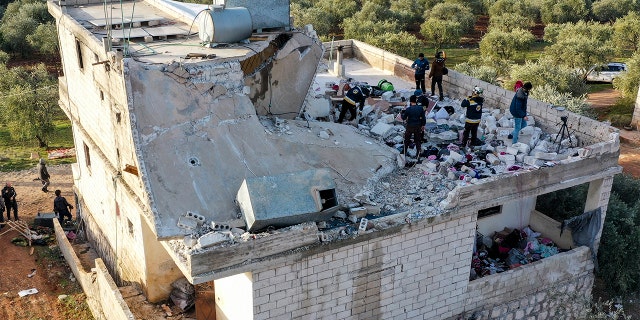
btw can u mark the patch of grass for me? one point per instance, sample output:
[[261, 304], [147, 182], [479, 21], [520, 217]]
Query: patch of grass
[[75, 307], [597, 87], [619, 114], [16, 155]]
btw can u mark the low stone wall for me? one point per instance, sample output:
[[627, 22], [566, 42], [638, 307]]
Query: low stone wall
[[98, 285], [557, 287]]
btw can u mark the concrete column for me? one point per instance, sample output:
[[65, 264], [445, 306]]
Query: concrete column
[[598, 197], [338, 67], [635, 119], [160, 270]]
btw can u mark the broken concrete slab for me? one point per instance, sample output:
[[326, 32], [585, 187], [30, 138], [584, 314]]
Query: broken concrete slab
[[287, 199], [382, 129]]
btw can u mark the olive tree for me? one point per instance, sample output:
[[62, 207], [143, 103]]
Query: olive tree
[[556, 32], [409, 13], [579, 46], [610, 10], [446, 23], [523, 8], [504, 45], [628, 82], [561, 11], [21, 19], [563, 79], [509, 21], [626, 32], [326, 16], [29, 100], [485, 73]]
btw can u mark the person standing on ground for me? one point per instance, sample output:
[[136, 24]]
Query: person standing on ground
[[420, 65], [44, 175], [9, 196], [473, 104], [416, 120], [518, 109], [61, 207], [1, 214], [355, 97], [436, 73]]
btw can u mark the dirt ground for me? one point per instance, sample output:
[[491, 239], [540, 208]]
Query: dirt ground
[[52, 276]]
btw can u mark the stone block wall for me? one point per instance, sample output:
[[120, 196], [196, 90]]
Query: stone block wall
[[422, 271], [556, 286], [103, 297]]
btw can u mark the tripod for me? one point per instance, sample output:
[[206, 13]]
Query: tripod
[[563, 133]]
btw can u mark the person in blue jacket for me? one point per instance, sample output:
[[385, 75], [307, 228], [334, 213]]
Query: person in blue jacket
[[473, 104], [518, 109], [416, 120], [420, 65], [355, 97]]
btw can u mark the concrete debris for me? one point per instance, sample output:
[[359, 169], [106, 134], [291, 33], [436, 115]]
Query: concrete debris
[[213, 238]]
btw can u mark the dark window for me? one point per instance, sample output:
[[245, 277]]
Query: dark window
[[101, 95], [79, 52], [328, 198], [87, 156], [489, 211]]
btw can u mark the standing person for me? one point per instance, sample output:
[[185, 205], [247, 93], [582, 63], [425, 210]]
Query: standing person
[[44, 175], [420, 65], [414, 115], [9, 196], [473, 104], [61, 207], [1, 214], [518, 109], [354, 97], [436, 73]]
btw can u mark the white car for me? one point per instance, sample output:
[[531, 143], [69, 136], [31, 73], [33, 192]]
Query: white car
[[606, 73]]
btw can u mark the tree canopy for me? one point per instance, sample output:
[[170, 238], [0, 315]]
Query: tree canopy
[[29, 100]]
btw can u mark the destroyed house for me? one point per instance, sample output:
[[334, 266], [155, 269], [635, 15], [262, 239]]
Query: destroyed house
[[198, 160]]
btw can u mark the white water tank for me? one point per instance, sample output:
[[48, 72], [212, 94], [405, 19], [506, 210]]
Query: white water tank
[[224, 25]]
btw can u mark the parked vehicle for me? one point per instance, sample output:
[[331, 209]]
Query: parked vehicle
[[606, 73]]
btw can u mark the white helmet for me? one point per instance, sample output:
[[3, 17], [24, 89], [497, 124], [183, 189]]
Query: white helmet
[[477, 90]]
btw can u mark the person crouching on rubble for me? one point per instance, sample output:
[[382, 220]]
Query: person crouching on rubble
[[473, 104], [61, 207], [416, 120], [356, 96]]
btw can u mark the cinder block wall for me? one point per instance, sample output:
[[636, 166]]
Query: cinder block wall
[[97, 284], [458, 85], [562, 283], [420, 272]]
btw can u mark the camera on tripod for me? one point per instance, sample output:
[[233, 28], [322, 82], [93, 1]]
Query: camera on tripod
[[564, 119]]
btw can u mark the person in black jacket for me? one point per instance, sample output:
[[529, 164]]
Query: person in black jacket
[[355, 97], [518, 109], [415, 119], [61, 207], [43, 175], [9, 196], [473, 104]]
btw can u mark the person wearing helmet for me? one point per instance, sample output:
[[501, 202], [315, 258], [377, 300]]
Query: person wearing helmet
[[473, 104], [354, 97]]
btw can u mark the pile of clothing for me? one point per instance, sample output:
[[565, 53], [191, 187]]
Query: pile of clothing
[[509, 249]]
